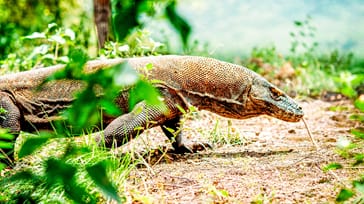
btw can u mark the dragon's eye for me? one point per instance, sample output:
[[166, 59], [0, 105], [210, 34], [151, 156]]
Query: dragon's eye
[[275, 93]]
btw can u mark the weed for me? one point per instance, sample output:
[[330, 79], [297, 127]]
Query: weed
[[46, 48], [351, 150], [138, 43], [228, 136]]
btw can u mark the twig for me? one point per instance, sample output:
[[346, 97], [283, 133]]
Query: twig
[[161, 157], [145, 163], [6, 156], [310, 134]]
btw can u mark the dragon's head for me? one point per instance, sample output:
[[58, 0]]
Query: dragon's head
[[265, 97]]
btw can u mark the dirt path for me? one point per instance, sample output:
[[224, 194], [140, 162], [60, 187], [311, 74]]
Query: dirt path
[[275, 161]]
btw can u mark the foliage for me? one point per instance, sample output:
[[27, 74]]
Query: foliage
[[340, 70], [335, 66], [351, 150], [72, 176], [230, 137], [54, 45], [46, 48], [6, 142], [347, 83], [178, 22], [139, 43], [303, 37], [21, 17], [126, 16], [12, 24]]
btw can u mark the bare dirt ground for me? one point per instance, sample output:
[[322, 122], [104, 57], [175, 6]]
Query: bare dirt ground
[[273, 162]]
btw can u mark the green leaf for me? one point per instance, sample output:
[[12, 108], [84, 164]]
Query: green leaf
[[359, 159], [36, 35], [178, 22], [78, 58], [99, 175], [6, 145], [40, 50], [110, 107], [58, 171], [144, 91], [124, 17], [357, 117], [23, 175], [84, 111], [32, 144], [359, 104], [344, 195], [149, 66], [57, 38], [359, 186], [181, 109], [70, 33], [298, 23], [3, 111], [332, 166], [2, 166], [223, 193], [74, 68], [5, 135], [358, 133], [49, 56], [337, 108], [78, 193], [52, 26], [72, 151]]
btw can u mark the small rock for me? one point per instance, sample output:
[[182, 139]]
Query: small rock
[[292, 131]]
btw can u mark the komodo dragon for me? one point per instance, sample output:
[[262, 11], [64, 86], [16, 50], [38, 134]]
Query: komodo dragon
[[223, 88]]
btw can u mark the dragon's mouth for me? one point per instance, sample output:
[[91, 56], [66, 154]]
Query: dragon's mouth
[[294, 115]]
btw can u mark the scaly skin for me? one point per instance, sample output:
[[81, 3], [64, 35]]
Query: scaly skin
[[223, 88]]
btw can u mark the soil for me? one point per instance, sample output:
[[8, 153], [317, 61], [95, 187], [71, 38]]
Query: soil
[[257, 160]]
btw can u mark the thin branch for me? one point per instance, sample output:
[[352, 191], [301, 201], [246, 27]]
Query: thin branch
[[310, 134]]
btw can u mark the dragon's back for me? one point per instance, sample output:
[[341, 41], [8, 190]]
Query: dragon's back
[[197, 74]]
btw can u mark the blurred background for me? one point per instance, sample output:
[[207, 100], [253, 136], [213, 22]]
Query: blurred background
[[230, 27], [235, 26]]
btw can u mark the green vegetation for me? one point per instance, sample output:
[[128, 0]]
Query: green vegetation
[[341, 71], [314, 73], [77, 169], [352, 151], [52, 168], [228, 136]]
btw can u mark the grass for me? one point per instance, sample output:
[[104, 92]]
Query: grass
[[16, 190], [225, 136]]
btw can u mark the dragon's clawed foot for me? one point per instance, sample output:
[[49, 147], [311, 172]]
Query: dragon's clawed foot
[[192, 148]]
